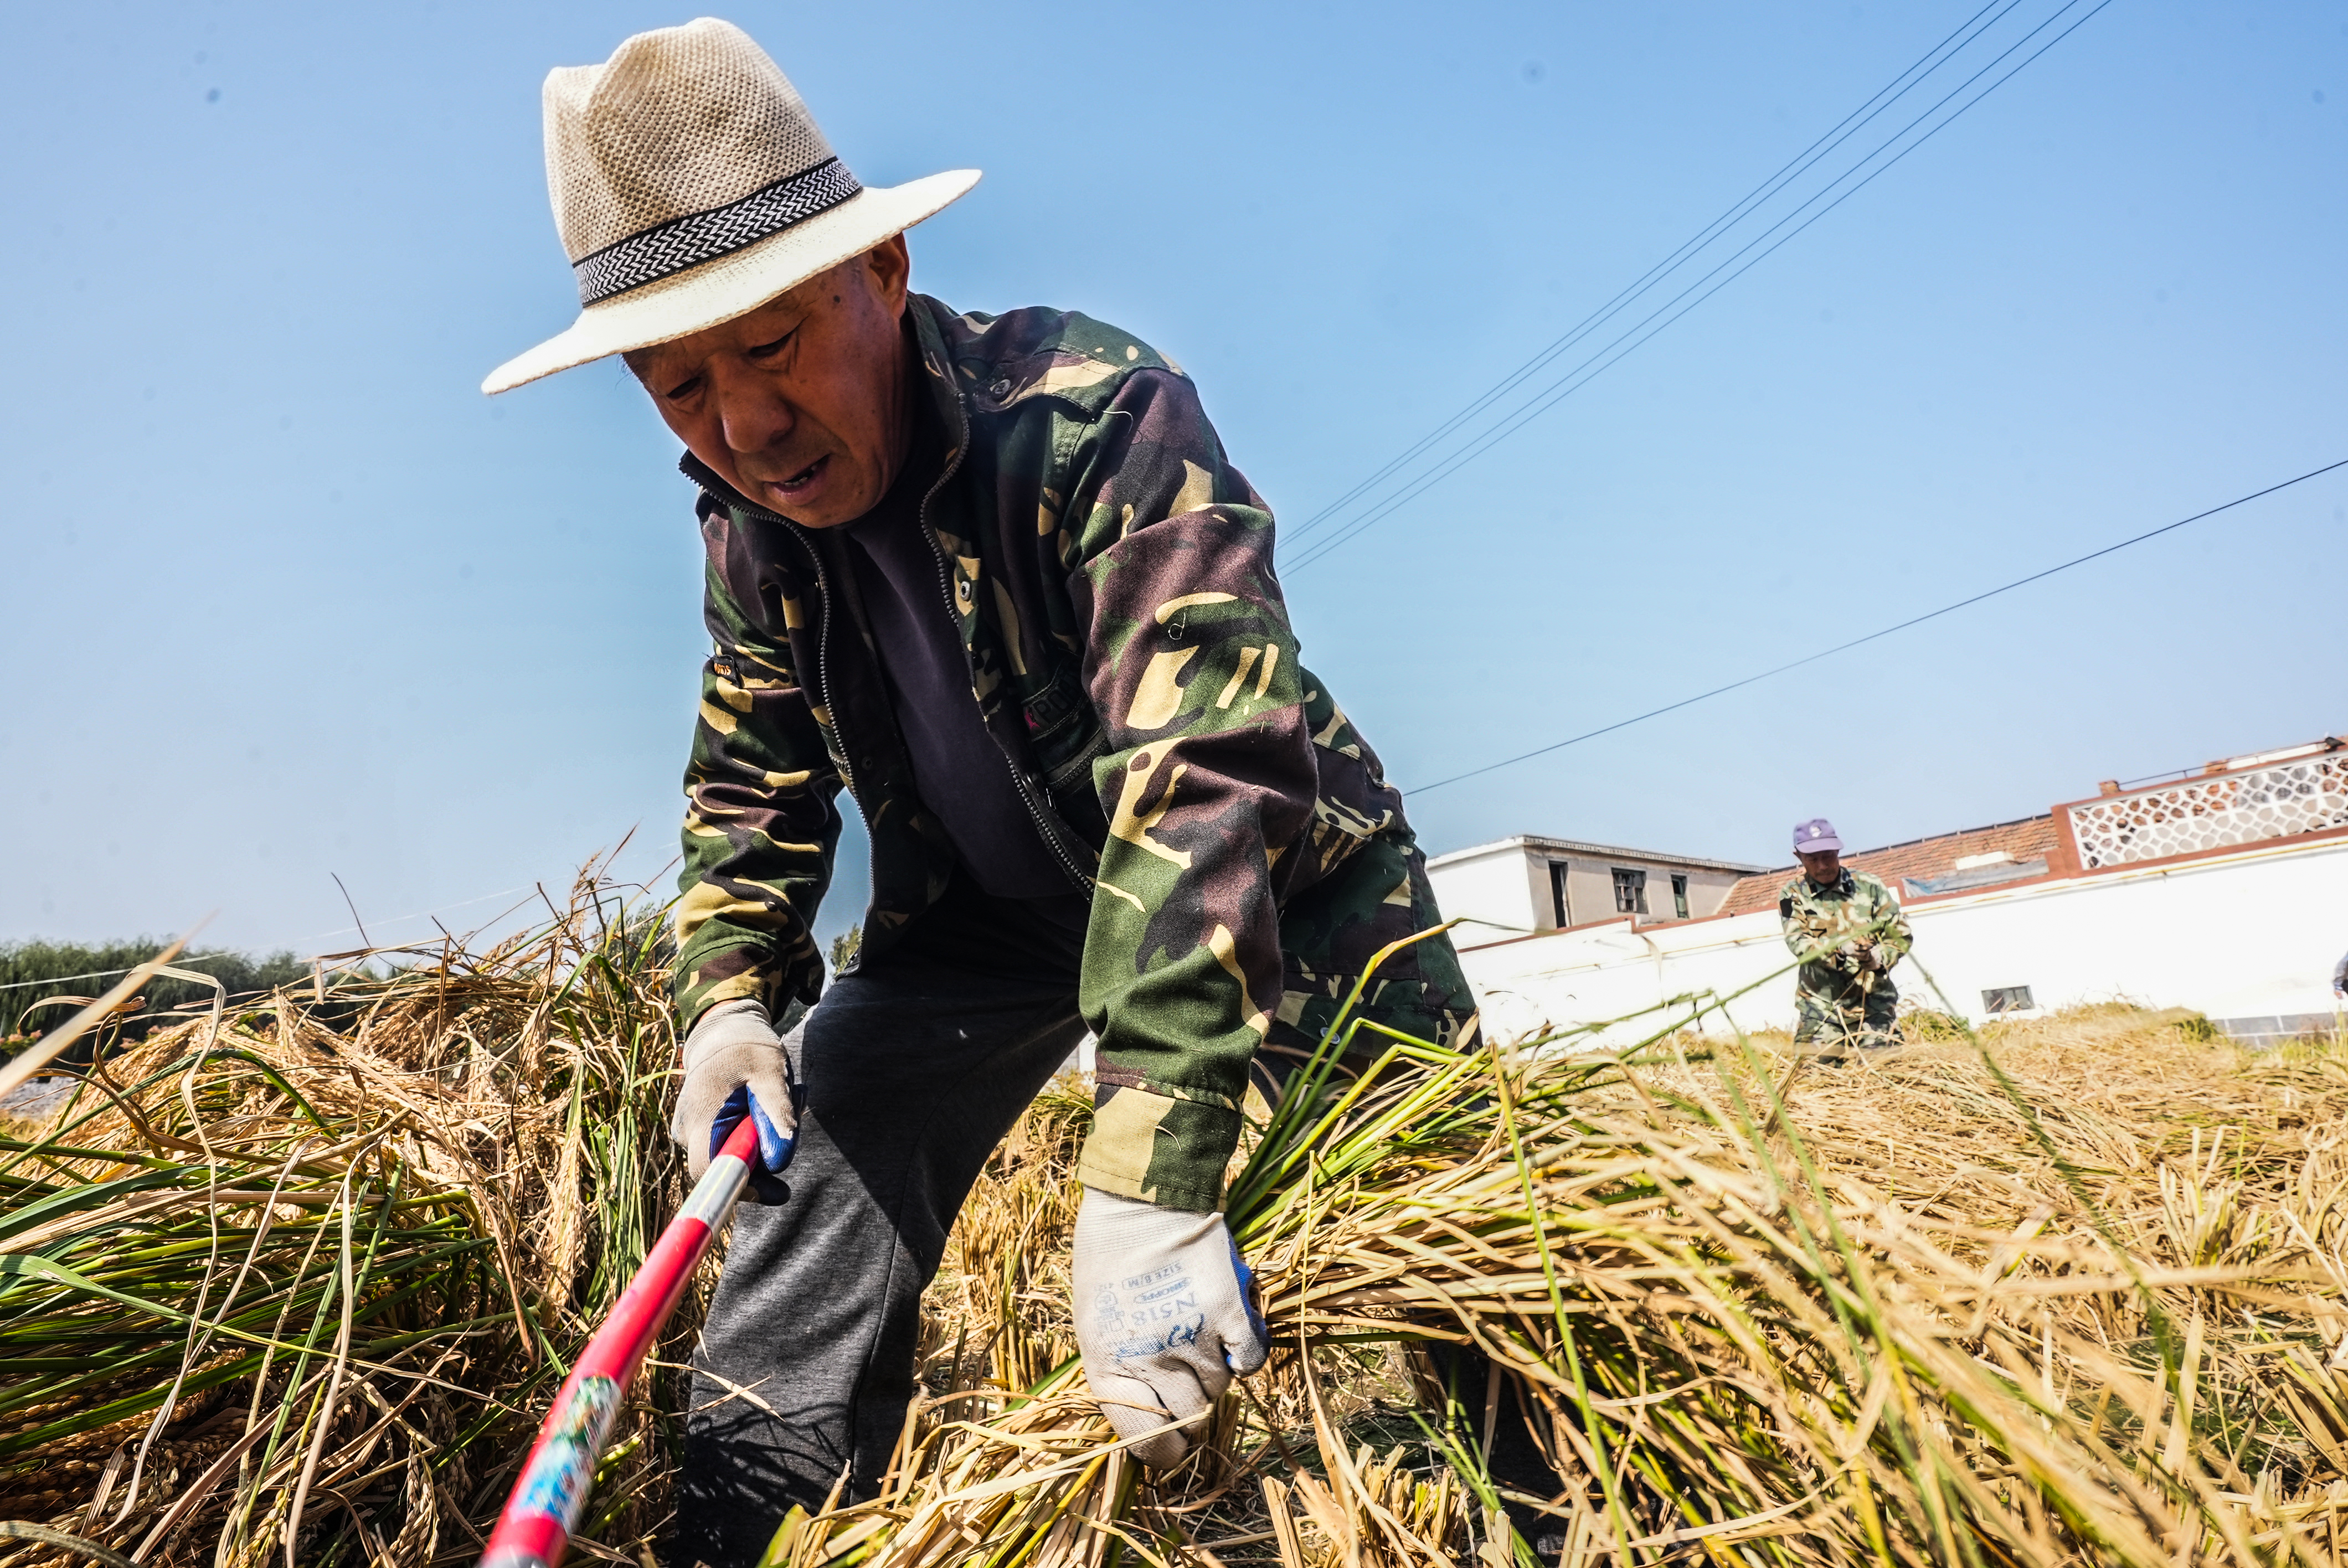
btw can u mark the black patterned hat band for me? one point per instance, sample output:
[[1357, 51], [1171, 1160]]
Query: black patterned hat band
[[670, 248], [691, 185]]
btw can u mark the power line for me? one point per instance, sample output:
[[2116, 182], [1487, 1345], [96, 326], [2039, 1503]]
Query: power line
[[102, 974], [1873, 636], [1667, 315], [1796, 165], [1650, 326]]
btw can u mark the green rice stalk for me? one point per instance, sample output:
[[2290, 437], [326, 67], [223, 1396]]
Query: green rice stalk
[[297, 1287]]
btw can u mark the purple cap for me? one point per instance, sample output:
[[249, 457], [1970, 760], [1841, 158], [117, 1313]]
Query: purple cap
[[1816, 836]]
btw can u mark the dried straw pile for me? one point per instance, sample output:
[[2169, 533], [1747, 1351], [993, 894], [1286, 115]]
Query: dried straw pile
[[2078, 1298], [301, 1292]]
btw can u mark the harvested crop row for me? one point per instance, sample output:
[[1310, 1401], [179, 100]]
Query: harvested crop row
[[299, 1292]]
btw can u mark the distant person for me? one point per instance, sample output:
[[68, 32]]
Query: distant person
[[2340, 983], [1847, 929]]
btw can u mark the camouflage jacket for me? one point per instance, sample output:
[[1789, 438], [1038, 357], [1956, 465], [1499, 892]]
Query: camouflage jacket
[[1112, 576], [1827, 927]]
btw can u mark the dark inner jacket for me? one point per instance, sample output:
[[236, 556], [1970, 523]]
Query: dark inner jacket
[[958, 772], [1109, 576]]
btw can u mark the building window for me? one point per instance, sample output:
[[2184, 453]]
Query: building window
[[1629, 892], [1563, 911], [2008, 998], [1679, 897]]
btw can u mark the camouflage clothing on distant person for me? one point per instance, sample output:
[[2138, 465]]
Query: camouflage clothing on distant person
[[1849, 934]]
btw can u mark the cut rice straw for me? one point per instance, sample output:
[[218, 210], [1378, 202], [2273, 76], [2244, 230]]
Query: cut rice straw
[[2071, 1290], [1731, 1333]]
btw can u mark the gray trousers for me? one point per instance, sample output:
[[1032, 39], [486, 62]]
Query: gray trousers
[[911, 1070]]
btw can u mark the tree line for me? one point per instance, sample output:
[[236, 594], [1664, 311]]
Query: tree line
[[37, 979]]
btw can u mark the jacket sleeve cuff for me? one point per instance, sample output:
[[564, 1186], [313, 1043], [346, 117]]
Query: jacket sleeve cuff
[[1164, 1149], [741, 971]]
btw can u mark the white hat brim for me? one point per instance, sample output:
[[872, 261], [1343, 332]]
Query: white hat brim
[[736, 283]]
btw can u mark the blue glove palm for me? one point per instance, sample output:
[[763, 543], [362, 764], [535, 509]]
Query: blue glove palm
[[775, 1143], [735, 1067]]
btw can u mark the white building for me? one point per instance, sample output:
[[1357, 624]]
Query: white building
[[1516, 887], [2226, 892]]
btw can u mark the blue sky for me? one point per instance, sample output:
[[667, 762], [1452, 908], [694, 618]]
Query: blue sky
[[288, 598]]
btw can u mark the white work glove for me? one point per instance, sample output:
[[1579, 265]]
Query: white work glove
[[735, 1066], [1165, 1314]]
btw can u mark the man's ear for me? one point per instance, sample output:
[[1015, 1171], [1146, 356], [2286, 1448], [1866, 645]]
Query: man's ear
[[889, 265]]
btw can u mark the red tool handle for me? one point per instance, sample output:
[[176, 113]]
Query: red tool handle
[[536, 1525]]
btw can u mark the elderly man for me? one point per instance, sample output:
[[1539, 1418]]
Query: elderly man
[[1847, 929], [994, 576]]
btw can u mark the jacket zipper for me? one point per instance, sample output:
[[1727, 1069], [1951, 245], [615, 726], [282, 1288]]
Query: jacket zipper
[[1019, 781], [823, 663], [839, 731], [726, 495]]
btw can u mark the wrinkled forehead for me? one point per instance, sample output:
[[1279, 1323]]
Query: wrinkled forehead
[[762, 325], [759, 325]]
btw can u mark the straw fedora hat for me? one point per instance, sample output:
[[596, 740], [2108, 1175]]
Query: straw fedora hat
[[691, 186]]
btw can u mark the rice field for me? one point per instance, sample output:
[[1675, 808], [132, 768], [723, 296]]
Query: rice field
[[293, 1286]]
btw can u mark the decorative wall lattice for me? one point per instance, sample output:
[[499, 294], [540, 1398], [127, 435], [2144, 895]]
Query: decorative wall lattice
[[2302, 797]]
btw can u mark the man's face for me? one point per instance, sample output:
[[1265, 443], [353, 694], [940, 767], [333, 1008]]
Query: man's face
[[1821, 866], [799, 405]]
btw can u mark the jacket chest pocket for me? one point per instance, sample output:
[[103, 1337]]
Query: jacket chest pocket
[[1063, 731], [1065, 737]]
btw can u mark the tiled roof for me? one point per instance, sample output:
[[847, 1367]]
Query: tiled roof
[[2032, 838]]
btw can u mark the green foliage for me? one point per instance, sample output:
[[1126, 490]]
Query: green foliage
[[1930, 1025], [844, 945], [34, 972]]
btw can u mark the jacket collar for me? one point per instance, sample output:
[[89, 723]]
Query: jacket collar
[[719, 491], [936, 369]]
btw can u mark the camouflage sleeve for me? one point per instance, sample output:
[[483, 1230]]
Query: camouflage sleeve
[[1208, 779], [1891, 921], [1800, 940], [760, 826]]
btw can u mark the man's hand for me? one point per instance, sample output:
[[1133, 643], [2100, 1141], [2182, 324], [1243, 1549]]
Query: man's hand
[[735, 1066], [1165, 1314]]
